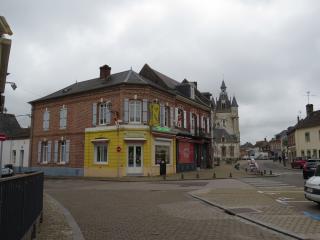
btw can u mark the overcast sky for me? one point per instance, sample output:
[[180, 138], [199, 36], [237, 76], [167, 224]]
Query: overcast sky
[[268, 51]]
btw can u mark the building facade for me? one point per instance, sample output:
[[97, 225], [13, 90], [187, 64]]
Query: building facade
[[307, 135], [122, 124], [16, 147], [226, 132]]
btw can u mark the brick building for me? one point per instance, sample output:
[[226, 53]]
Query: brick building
[[122, 124]]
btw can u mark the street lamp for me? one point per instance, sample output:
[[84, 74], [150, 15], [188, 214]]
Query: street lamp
[[13, 85]]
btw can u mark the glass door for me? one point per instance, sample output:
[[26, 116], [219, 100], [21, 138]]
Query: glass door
[[135, 159]]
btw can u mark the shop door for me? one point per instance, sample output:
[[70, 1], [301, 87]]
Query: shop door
[[135, 160]]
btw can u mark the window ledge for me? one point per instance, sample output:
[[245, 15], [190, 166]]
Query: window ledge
[[61, 163], [100, 163]]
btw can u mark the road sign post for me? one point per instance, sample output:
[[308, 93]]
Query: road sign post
[[2, 139]]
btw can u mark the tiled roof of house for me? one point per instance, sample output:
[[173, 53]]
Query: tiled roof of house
[[11, 128], [313, 120]]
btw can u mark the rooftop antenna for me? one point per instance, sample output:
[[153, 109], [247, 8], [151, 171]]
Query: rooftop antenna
[[309, 95]]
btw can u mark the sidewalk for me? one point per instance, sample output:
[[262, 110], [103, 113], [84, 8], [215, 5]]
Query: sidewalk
[[54, 225], [246, 202]]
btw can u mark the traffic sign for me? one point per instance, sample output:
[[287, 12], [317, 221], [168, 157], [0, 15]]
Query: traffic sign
[[3, 137]]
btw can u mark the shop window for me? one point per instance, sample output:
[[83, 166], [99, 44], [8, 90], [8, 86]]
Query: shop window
[[162, 153], [101, 153]]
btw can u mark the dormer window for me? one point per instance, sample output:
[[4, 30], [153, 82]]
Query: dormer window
[[192, 94]]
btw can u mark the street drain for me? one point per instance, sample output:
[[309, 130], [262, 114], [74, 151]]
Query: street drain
[[235, 211]]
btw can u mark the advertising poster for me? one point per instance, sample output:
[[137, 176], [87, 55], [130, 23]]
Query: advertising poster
[[186, 152]]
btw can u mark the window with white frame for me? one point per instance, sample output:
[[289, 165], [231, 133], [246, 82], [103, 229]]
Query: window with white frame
[[193, 124], [167, 116], [62, 151], [307, 136], [44, 151], [46, 120], [101, 153], [104, 114], [135, 111], [192, 95], [180, 118], [14, 156], [63, 117], [162, 153]]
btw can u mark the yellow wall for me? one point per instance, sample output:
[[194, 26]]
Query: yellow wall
[[117, 162], [302, 145]]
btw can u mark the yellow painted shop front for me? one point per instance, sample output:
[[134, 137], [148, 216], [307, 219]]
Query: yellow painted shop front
[[126, 151]]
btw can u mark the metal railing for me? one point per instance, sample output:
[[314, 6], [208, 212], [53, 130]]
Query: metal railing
[[21, 204]]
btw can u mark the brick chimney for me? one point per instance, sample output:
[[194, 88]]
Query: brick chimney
[[105, 71], [309, 108]]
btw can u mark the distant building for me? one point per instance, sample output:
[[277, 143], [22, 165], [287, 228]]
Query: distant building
[[226, 133], [307, 135], [16, 147]]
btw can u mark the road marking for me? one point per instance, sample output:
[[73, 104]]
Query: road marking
[[312, 215]]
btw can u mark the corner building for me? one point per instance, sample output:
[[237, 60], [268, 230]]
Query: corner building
[[122, 124]]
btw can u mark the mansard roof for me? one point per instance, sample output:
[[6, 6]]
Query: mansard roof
[[147, 76]]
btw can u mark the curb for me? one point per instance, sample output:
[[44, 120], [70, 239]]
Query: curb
[[229, 211]]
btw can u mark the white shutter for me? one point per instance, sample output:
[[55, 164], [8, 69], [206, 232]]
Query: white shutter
[[208, 125], [39, 151], [48, 120], [176, 116], [198, 123], [61, 117], [65, 115], [145, 110], [49, 152], [108, 116], [184, 119], [67, 150], [201, 124], [44, 123], [190, 121], [162, 115], [94, 114], [55, 153], [171, 117], [126, 110]]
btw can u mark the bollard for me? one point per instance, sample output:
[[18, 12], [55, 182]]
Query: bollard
[[214, 175], [264, 172], [270, 172], [182, 176], [230, 175], [197, 176]]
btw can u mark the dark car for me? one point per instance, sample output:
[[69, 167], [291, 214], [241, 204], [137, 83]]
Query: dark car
[[299, 162], [310, 167]]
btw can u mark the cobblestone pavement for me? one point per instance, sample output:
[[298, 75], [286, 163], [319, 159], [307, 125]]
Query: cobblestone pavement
[[261, 207], [157, 210], [54, 225]]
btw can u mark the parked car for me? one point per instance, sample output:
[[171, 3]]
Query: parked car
[[310, 167], [298, 162], [312, 187], [6, 171]]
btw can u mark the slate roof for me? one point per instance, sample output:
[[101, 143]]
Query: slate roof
[[234, 102], [218, 133], [126, 77], [247, 145], [11, 128], [313, 120]]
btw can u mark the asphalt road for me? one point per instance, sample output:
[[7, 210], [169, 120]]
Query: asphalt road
[[291, 185]]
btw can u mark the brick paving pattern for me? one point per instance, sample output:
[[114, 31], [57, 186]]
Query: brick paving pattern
[[108, 210]]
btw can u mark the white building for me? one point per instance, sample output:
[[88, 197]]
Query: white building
[[16, 148], [226, 133]]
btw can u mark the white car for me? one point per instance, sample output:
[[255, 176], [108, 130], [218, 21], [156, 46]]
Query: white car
[[312, 187]]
